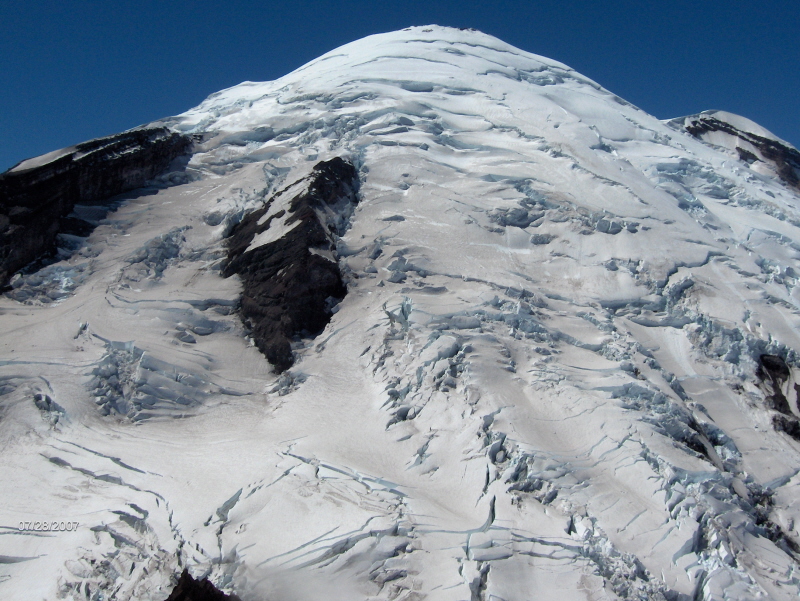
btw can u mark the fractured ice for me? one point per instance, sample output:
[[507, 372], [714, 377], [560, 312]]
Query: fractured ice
[[440, 319]]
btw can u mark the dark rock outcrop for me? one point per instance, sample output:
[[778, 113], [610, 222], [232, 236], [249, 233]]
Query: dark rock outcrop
[[789, 425], [189, 589], [774, 372], [785, 159], [291, 283], [37, 195]]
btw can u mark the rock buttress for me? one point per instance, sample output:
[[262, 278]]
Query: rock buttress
[[35, 202], [291, 282], [189, 589]]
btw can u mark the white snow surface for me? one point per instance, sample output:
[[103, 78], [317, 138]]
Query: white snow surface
[[540, 385], [43, 159]]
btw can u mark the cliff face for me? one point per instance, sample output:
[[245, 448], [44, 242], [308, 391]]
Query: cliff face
[[291, 281], [36, 197]]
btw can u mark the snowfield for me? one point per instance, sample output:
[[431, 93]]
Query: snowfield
[[547, 379]]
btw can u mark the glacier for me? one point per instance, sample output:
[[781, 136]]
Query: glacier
[[550, 351]]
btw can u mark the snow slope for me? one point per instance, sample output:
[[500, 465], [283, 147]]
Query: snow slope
[[545, 382]]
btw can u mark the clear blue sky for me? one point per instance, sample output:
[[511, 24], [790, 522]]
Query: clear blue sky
[[73, 70]]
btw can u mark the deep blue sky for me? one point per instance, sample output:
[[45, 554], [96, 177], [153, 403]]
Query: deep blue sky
[[72, 70]]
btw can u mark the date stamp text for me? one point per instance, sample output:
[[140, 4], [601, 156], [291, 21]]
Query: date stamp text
[[48, 526]]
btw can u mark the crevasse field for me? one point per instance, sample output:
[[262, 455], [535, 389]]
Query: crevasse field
[[544, 382]]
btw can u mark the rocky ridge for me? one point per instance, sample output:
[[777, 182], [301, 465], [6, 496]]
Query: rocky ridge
[[38, 196], [292, 279], [749, 146]]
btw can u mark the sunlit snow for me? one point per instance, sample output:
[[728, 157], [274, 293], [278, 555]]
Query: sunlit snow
[[542, 383]]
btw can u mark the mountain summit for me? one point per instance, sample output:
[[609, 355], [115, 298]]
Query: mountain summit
[[428, 318]]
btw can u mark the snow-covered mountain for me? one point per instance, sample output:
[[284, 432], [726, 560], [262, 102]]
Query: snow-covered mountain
[[526, 342]]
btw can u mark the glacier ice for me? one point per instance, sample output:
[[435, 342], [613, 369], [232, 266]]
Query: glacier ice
[[557, 358]]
